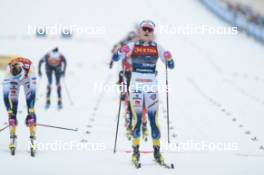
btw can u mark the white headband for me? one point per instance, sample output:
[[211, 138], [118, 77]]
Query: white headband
[[147, 23]]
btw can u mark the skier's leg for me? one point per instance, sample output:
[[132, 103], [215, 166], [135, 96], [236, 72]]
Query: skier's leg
[[49, 76], [128, 120], [136, 102], [120, 77], [152, 104], [122, 84], [58, 84], [129, 112], [11, 94], [128, 78], [30, 93], [130, 115]]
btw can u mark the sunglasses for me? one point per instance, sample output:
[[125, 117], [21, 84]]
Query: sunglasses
[[15, 69], [145, 29]]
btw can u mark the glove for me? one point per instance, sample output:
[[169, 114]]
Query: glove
[[115, 57], [167, 55], [124, 49], [169, 60], [40, 74], [111, 65]]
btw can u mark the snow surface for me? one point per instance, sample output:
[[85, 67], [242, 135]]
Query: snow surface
[[216, 90]]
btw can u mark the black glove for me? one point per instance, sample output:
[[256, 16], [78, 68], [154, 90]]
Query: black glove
[[40, 74], [111, 65]]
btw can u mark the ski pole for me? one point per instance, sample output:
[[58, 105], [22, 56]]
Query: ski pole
[[167, 100], [117, 124], [57, 127], [2, 129], [67, 92]]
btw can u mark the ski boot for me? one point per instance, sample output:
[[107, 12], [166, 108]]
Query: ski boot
[[60, 103], [33, 146], [160, 159], [12, 144], [31, 124], [12, 128], [157, 155], [136, 156]]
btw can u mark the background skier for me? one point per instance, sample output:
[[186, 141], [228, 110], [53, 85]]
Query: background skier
[[55, 63]]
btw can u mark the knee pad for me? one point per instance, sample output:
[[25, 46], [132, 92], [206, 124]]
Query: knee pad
[[12, 122], [31, 120]]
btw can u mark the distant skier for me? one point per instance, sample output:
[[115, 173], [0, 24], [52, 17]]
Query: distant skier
[[144, 54], [20, 73], [55, 63]]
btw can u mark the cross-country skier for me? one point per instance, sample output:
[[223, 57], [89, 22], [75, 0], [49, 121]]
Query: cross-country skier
[[20, 73], [144, 55], [55, 63], [124, 80]]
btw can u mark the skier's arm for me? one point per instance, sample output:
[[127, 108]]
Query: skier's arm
[[41, 61], [111, 64], [166, 57], [123, 52], [114, 51]]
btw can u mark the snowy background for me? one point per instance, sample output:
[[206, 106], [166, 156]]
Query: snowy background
[[216, 90]]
